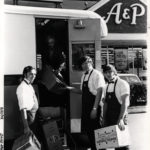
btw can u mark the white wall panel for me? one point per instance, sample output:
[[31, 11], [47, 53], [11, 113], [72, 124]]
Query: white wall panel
[[19, 43]]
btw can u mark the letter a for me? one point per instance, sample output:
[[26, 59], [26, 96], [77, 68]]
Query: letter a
[[117, 13]]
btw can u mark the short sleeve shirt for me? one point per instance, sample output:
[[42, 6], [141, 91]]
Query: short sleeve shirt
[[26, 96], [122, 88], [96, 81]]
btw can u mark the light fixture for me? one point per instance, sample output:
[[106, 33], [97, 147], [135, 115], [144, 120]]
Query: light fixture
[[79, 24]]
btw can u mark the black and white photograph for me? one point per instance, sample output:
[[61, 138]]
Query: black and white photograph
[[74, 75]]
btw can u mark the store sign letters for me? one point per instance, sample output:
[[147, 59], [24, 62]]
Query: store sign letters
[[137, 10]]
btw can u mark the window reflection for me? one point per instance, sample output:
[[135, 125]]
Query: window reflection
[[79, 50]]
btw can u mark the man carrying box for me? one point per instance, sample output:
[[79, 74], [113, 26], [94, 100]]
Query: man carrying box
[[27, 99], [116, 100]]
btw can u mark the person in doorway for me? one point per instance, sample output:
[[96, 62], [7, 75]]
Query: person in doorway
[[51, 52], [47, 54], [92, 82], [27, 99], [54, 100], [52, 87], [116, 100]]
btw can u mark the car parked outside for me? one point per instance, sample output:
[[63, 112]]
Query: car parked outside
[[138, 90], [143, 79]]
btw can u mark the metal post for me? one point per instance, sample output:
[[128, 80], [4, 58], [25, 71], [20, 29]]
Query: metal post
[[133, 64], [15, 2], [137, 56], [132, 61], [107, 55]]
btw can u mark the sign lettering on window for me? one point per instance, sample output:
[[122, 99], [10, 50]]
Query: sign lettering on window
[[121, 59]]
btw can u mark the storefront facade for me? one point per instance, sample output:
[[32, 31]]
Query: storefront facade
[[126, 43]]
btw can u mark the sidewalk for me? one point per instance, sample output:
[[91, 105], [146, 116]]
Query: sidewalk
[[137, 109]]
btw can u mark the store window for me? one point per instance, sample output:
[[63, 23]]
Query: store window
[[121, 59], [144, 59], [137, 60], [107, 55], [79, 50], [126, 60]]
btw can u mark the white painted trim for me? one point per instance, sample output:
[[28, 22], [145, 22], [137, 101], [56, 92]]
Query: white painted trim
[[51, 12], [117, 36], [144, 2], [51, 1], [103, 2], [98, 5]]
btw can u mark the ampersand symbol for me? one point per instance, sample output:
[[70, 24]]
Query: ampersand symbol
[[126, 14]]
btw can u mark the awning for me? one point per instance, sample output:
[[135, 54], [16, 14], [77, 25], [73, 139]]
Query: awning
[[124, 43], [126, 40]]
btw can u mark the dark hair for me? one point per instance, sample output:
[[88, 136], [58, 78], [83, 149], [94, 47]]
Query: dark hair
[[109, 67], [58, 60], [84, 59], [26, 70], [50, 37]]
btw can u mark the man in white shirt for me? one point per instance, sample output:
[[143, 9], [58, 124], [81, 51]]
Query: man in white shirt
[[92, 82], [27, 99], [116, 100]]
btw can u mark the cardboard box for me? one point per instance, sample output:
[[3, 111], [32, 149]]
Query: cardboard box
[[26, 142], [111, 137], [52, 136], [52, 112], [51, 81]]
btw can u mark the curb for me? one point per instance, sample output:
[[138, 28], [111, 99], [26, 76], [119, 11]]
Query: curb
[[137, 109]]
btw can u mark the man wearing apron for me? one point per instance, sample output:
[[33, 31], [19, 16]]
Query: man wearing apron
[[91, 82], [116, 100], [27, 99]]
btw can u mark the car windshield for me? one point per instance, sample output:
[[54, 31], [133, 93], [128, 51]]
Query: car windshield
[[131, 79]]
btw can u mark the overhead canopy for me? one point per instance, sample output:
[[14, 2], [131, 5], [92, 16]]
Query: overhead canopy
[[125, 40], [58, 13], [124, 43]]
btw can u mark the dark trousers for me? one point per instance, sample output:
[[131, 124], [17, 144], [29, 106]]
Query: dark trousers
[[89, 126], [91, 136]]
